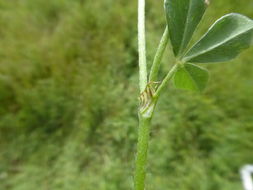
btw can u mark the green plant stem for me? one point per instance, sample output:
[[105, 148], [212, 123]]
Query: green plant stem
[[142, 45], [144, 122], [166, 80], [142, 149], [158, 56]]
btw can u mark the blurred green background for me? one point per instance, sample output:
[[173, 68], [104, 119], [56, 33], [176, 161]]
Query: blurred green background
[[68, 101]]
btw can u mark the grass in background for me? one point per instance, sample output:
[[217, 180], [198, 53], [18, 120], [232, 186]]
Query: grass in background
[[67, 119]]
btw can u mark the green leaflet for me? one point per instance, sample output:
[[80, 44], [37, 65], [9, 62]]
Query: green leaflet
[[183, 16], [191, 77], [227, 37]]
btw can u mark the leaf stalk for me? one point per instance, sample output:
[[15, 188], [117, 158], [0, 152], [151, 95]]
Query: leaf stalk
[[158, 56]]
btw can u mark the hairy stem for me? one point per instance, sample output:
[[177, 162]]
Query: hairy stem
[[142, 149], [143, 133], [142, 45], [144, 122], [158, 56]]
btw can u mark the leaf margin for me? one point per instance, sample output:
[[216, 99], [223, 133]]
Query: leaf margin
[[196, 88], [188, 58]]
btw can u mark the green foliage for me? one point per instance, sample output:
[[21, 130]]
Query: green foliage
[[183, 16], [191, 77], [68, 120], [224, 40]]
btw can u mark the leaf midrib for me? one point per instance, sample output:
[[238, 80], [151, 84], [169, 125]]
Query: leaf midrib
[[215, 46], [184, 33], [192, 79]]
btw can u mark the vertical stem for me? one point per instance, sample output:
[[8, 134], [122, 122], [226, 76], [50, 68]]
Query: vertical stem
[[142, 45], [142, 148], [144, 121], [158, 56]]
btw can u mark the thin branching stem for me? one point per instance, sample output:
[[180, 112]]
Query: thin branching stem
[[166, 80], [159, 55], [146, 116]]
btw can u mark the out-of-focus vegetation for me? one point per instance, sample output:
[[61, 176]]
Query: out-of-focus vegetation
[[68, 99]]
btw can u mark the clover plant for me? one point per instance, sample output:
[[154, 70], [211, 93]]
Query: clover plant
[[223, 41]]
